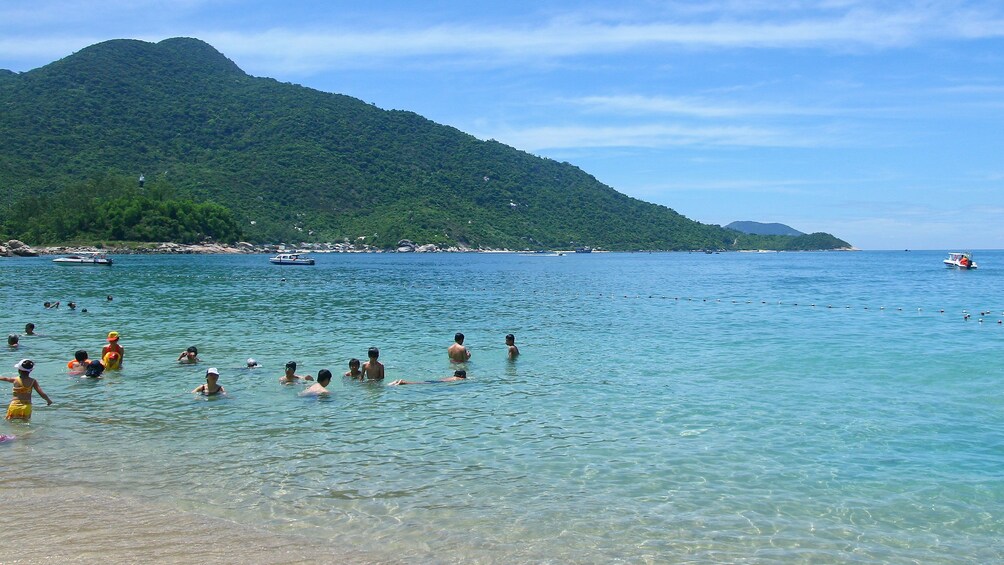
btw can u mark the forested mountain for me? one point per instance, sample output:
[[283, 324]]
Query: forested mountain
[[758, 228], [290, 163]]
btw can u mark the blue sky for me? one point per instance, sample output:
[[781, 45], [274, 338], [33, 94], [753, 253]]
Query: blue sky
[[881, 122]]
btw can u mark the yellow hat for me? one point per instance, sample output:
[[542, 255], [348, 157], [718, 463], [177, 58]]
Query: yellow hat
[[113, 336]]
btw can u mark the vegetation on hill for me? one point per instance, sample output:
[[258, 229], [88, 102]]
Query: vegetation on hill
[[293, 164], [758, 228]]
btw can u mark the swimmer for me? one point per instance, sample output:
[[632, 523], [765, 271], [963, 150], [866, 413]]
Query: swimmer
[[318, 388], [94, 369], [72, 305], [109, 298], [252, 364], [458, 375], [457, 352], [29, 329], [211, 388], [12, 341], [373, 369], [354, 370], [189, 356], [510, 342], [111, 360], [79, 363], [20, 405], [291, 377], [113, 347]]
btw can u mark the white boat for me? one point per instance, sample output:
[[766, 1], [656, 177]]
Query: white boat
[[84, 258], [959, 260], [291, 259]]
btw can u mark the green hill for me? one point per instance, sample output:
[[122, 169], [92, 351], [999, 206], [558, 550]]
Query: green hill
[[292, 163]]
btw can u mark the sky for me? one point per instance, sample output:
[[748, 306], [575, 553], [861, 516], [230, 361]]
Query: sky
[[881, 122]]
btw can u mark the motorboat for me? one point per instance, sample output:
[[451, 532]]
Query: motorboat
[[584, 249], [960, 260], [291, 259], [84, 258]]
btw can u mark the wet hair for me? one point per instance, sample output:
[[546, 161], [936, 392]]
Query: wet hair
[[291, 365], [353, 362], [29, 327], [373, 353], [192, 349], [72, 305], [459, 337], [94, 369], [80, 355], [510, 336], [47, 304], [12, 339], [460, 373], [323, 375], [109, 298]]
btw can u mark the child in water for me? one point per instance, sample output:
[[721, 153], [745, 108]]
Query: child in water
[[12, 341], [20, 405], [354, 370], [211, 388], [94, 369], [189, 356], [318, 388], [79, 363]]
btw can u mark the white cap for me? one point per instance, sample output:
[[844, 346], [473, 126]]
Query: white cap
[[252, 362], [25, 365], [212, 371]]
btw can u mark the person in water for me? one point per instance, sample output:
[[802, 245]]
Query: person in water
[[20, 405], [111, 360], [354, 371], [373, 369], [113, 347], [291, 377], [458, 375], [29, 329], [211, 388], [79, 363], [252, 364], [320, 387], [12, 341], [189, 356], [94, 369], [510, 343], [457, 352]]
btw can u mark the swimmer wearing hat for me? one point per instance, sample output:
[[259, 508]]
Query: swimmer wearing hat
[[20, 405], [113, 347]]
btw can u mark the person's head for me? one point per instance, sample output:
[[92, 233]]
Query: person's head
[[192, 352], [252, 363], [323, 377], [29, 328], [80, 355], [212, 374], [290, 367], [373, 353], [113, 337], [459, 338], [47, 304], [12, 340], [24, 367], [510, 339], [72, 305], [460, 374], [94, 369], [353, 364], [109, 298]]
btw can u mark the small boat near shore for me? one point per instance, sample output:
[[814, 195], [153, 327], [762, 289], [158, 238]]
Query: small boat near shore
[[291, 259], [960, 260], [85, 258]]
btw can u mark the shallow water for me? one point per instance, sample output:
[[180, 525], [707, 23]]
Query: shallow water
[[797, 407]]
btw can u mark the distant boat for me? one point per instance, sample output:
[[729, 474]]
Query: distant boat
[[584, 249], [960, 260], [85, 258], [291, 259]]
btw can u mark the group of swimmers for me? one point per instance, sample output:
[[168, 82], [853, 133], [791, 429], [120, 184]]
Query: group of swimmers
[[113, 353]]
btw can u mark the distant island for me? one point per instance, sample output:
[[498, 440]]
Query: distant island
[[128, 140], [757, 228]]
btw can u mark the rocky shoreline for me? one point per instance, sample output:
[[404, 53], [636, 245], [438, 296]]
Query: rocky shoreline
[[15, 248]]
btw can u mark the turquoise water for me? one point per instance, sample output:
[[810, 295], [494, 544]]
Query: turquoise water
[[795, 407]]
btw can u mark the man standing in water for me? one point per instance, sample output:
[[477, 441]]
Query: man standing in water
[[510, 343], [373, 369], [457, 352]]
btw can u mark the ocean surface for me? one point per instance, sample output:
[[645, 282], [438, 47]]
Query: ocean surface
[[666, 408]]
